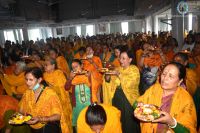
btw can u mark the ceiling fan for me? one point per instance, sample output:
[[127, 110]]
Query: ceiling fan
[[49, 3]]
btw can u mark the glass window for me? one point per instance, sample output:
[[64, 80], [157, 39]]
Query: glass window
[[9, 35], [78, 30], [190, 22], [124, 27], [90, 30], [34, 34]]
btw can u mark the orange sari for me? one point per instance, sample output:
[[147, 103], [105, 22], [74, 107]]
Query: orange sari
[[154, 60], [10, 69], [96, 76], [116, 63], [7, 103], [169, 55]]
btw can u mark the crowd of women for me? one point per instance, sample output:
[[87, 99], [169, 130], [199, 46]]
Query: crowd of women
[[94, 84]]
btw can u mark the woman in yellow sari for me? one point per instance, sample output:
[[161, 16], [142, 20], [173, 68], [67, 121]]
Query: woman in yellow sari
[[14, 84], [191, 78], [122, 89], [60, 60], [178, 110], [99, 118], [56, 79], [43, 104]]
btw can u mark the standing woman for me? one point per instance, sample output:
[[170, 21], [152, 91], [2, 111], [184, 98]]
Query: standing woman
[[124, 90], [116, 61], [43, 104], [56, 79]]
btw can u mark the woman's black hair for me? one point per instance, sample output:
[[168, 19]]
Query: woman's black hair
[[37, 73], [53, 49], [181, 68], [175, 41], [119, 47], [77, 60], [183, 56], [82, 49], [95, 115], [129, 53], [52, 61]]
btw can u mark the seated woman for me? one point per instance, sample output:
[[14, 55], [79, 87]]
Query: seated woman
[[14, 84], [43, 104], [178, 110], [80, 85], [99, 118], [8, 106]]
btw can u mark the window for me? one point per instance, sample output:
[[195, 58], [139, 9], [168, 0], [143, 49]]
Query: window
[[21, 34], [9, 35], [34, 34], [49, 32], [78, 30], [190, 22], [90, 30], [124, 27]]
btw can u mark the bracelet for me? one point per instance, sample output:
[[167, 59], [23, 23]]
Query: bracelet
[[143, 56], [174, 124]]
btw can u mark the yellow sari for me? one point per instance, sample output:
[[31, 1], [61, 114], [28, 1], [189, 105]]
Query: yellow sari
[[183, 110], [63, 65], [113, 124], [14, 84], [48, 104], [191, 81], [57, 80], [129, 79]]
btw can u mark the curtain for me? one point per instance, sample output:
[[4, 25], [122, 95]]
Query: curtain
[[72, 30], [115, 27], [135, 26], [83, 30], [66, 31]]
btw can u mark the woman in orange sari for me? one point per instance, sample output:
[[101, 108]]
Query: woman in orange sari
[[80, 86], [93, 64], [43, 104], [116, 62], [56, 80], [152, 57]]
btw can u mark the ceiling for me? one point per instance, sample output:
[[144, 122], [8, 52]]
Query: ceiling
[[59, 10]]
